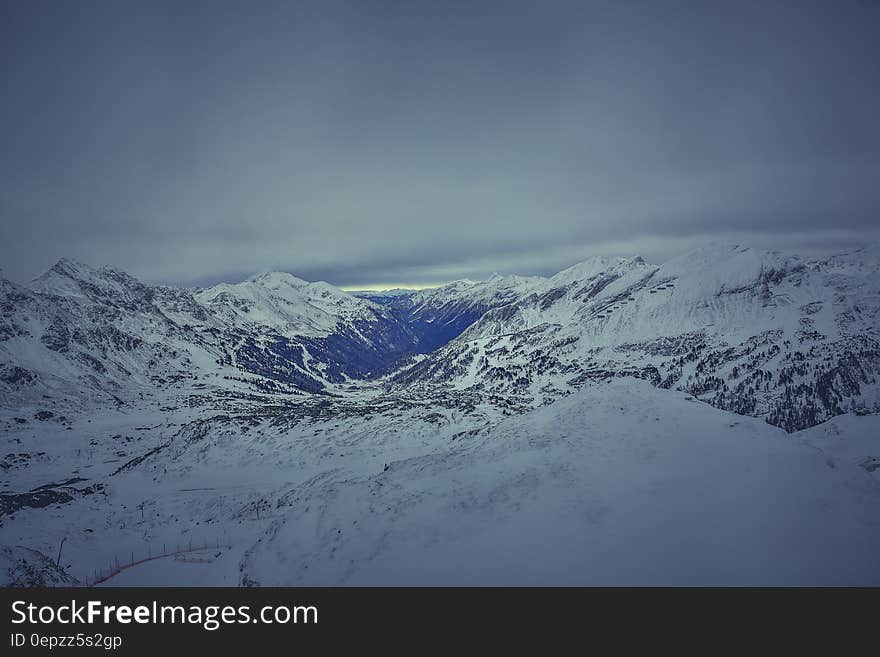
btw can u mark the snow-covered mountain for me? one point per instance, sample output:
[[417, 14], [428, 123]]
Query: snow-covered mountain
[[623, 483], [517, 430], [325, 333], [440, 314], [616, 485], [87, 334], [80, 333], [787, 338], [287, 304], [790, 339]]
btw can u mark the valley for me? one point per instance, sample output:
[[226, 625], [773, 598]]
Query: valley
[[713, 419]]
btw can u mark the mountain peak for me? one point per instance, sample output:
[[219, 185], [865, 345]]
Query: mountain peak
[[64, 276], [595, 265], [70, 267], [69, 277], [275, 279]]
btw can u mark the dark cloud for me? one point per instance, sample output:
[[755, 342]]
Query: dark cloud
[[365, 143]]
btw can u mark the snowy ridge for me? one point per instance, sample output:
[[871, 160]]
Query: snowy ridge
[[78, 333], [658, 492], [288, 304], [696, 422], [761, 333], [618, 484], [788, 338]]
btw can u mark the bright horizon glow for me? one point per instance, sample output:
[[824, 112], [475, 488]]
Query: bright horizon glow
[[384, 287]]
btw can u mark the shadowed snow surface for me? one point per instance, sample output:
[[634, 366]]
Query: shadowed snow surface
[[622, 484]]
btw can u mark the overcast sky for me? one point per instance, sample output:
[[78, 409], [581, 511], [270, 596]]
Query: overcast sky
[[400, 143]]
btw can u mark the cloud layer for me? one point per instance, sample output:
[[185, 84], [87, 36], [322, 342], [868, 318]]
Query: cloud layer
[[399, 143]]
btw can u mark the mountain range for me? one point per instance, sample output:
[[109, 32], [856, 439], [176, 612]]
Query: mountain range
[[447, 420], [790, 339]]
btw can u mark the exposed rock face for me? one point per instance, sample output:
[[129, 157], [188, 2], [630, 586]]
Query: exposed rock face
[[791, 340], [573, 420], [23, 567], [786, 338]]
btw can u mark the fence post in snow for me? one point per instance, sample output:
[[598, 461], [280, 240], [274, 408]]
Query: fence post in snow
[[58, 561]]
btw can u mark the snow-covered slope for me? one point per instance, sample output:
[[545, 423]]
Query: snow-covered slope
[[618, 485], [790, 339], [556, 438], [624, 483], [437, 315], [76, 333], [83, 334], [288, 304], [23, 567]]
